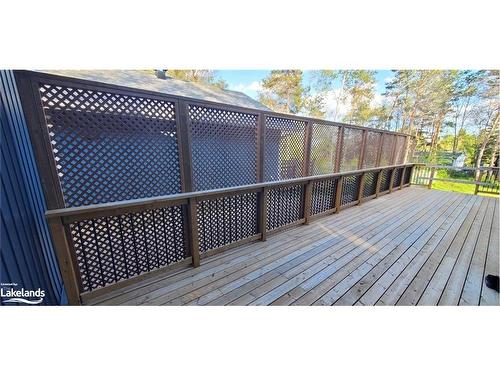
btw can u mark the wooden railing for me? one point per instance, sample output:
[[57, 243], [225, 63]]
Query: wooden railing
[[101, 247], [485, 179]]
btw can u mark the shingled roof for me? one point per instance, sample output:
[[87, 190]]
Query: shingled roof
[[147, 80]]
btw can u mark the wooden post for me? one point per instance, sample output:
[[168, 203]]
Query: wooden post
[[338, 151], [307, 201], [307, 150], [66, 260], [379, 182], [402, 179], [391, 183], [261, 134], [478, 179], [431, 177], [192, 230], [262, 213], [361, 187], [338, 194], [362, 151], [29, 94], [184, 147]]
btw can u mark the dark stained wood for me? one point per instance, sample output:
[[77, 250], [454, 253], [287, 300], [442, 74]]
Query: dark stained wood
[[261, 133], [65, 257], [361, 186], [37, 127], [184, 146], [307, 202], [338, 194], [262, 213], [192, 230], [385, 252]]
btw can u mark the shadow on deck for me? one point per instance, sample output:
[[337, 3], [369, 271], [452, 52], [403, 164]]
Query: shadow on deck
[[416, 247]]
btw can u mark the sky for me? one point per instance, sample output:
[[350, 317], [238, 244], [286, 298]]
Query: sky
[[248, 81]]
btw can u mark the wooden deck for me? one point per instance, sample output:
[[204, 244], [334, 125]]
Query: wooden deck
[[412, 247]]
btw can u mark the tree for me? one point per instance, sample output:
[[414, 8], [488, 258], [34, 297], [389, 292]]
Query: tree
[[205, 77], [360, 86], [283, 91], [465, 88]]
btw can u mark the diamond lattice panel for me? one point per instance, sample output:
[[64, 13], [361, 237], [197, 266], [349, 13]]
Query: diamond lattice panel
[[323, 196], [284, 148], [351, 149], [397, 177], [116, 248], [408, 175], [284, 206], [385, 180], [370, 184], [400, 149], [371, 149], [226, 220], [350, 189], [323, 148], [224, 147], [110, 147], [387, 147]]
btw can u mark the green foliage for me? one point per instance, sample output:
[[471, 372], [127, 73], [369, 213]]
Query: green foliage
[[283, 91]]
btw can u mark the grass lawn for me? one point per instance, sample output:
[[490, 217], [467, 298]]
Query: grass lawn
[[456, 186]]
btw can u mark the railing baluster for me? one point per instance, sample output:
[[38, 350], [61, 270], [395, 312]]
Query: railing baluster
[[431, 177], [192, 231], [361, 187], [262, 213], [338, 194], [307, 201]]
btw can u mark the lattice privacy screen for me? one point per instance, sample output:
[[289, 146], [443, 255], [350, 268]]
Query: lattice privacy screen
[[226, 220], [408, 173], [224, 147], [387, 148], [323, 196], [385, 180], [116, 248], [371, 149], [400, 150], [351, 149], [398, 174], [323, 148], [370, 184], [284, 148], [350, 189], [111, 147], [284, 206]]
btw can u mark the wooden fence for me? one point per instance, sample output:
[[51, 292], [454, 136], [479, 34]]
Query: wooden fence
[[137, 180], [112, 244], [97, 143], [485, 179]]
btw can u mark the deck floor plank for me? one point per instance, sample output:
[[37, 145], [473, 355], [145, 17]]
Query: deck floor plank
[[489, 296], [414, 246]]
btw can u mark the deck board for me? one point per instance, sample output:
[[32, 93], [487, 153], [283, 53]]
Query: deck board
[[414, 246]]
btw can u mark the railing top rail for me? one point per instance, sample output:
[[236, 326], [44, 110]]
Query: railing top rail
[[460, 168], [58, 79], [103, 209]]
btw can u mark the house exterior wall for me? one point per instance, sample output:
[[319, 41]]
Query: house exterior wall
[[26, 254]]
